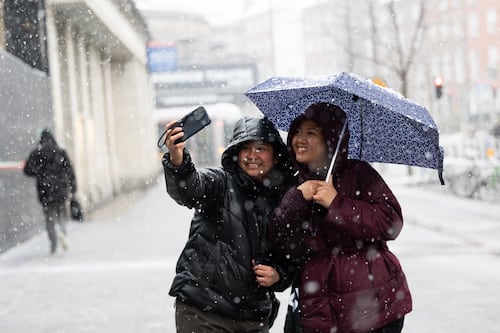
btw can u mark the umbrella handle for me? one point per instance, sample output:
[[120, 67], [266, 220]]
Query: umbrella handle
[[332, 162]]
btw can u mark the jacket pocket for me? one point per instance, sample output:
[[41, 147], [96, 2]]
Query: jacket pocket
[[365, 309], [225, 274], [316, 312]]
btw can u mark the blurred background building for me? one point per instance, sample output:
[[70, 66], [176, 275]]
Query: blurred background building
[[442, 55], [80, 69]]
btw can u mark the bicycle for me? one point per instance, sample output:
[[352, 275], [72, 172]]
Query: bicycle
[[488, 188], [463, 184], [481, 182]]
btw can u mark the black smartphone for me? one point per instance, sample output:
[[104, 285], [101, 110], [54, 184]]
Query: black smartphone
[[191, 124]]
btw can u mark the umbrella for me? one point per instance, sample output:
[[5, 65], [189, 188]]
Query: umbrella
[[384, 126]]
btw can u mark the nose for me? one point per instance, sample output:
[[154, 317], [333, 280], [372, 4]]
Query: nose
[[300, 137], [252, 153]]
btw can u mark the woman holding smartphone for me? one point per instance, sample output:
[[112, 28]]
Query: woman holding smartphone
[[226, 277]]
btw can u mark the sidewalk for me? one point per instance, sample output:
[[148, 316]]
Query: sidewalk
[[114, 277]]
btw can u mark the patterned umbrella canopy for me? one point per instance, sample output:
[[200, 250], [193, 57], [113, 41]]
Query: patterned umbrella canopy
[[384, 126]]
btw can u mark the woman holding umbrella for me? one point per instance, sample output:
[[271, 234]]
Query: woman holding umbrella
[[349, 281]]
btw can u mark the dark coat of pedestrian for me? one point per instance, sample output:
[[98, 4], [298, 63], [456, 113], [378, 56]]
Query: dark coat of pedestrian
[[350, 281], [55, 182], [226, 277]]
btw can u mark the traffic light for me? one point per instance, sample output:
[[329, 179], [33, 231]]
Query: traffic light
[[438, 83]]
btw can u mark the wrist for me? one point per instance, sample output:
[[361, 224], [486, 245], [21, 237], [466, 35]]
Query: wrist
[[176, 158]]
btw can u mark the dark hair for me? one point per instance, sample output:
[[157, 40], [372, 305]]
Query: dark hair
[[330, 119]]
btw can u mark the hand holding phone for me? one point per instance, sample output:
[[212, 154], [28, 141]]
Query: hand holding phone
[[191, 124]]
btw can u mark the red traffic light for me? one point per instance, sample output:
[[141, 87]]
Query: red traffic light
[[438, 81]]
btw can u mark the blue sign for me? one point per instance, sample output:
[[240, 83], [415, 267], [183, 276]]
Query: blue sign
[[162, 58]]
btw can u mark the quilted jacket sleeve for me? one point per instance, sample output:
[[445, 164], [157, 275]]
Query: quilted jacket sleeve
[[191, 187], [365, 208], [288, 222]]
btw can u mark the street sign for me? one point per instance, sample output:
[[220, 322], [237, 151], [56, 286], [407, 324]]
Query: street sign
[[162, 57]]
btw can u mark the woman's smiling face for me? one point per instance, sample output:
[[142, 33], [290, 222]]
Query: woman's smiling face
[[309, 146], [256, 159]]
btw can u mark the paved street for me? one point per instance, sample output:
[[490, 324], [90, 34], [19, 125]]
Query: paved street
[[450, 253], [116, 274]]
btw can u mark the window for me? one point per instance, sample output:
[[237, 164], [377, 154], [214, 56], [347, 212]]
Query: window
[[459, 66], [493, 62], [491, 21], [474, 66], [473, 25], [25, 33]]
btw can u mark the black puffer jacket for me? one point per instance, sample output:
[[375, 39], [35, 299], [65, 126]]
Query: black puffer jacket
[[53, 171], [214, 271]]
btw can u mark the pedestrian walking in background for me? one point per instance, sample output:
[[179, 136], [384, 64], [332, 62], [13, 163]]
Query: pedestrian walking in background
[[349, 281], [55, 181], [226, 276]]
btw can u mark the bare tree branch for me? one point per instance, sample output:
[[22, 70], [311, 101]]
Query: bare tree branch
[[419, 29], [397, 33], [371, 13]]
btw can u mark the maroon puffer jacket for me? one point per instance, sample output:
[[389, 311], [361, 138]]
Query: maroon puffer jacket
[[350, 281]]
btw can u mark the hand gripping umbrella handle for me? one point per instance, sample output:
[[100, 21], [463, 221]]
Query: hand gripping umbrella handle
[[332, 162]]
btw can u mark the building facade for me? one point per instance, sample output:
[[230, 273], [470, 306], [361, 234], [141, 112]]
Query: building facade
[[82, 72], [102, 95], [465, 39], [459, 43]]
